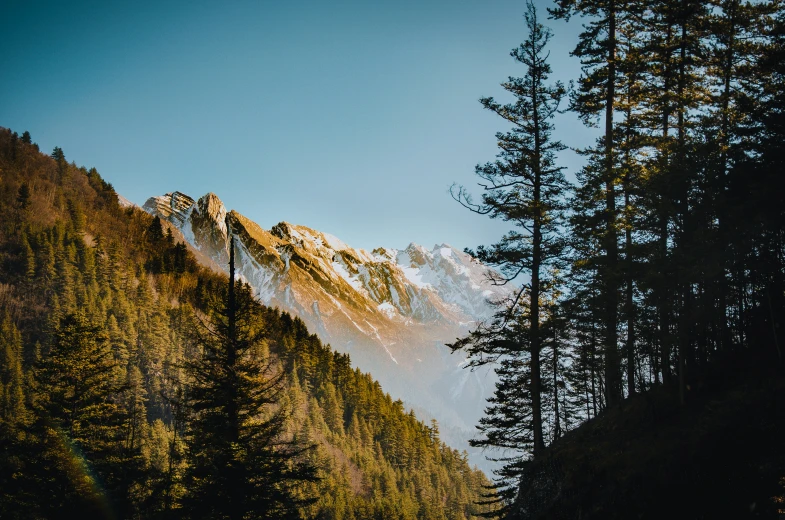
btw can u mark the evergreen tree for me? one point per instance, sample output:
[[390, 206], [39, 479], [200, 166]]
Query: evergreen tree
[[155, 232], [14, 421], [240, 464], [597, 101], [524, 187], [23, 196], [12, 398], [59, 156], [84, 465], [738, 37], [28, 260], [508, 423], [631, 143]]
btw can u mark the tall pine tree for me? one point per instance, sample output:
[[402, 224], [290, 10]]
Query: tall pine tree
[[240, 463], [524, 187]]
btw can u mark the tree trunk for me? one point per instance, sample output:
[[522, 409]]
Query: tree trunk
[[534, 327], [612, 365]]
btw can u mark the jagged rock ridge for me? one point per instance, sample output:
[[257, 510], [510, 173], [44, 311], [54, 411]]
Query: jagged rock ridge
[[392, 310]]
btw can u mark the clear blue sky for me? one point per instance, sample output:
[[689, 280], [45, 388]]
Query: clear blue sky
[[352, 117]]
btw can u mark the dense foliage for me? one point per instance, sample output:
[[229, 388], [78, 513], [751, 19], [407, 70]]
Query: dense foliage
[[675, 226], [112, 345]]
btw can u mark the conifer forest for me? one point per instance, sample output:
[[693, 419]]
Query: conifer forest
[[640, 361]]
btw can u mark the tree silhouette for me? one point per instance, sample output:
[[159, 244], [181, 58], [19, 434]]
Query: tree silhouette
[[241, 465]]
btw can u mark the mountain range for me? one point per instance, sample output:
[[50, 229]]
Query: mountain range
[[392, 310]]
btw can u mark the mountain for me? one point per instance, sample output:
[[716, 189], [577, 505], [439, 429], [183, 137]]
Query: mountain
[[102, 315], [391, 310]]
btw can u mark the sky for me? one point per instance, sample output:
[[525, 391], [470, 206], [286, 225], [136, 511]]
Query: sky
[[350, 117]]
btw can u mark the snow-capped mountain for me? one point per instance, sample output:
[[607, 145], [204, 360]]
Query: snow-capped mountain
[[391, 310]]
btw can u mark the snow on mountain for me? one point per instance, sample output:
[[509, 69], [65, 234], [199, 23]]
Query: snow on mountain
[[391, 310], [457, 278], [125, 203]]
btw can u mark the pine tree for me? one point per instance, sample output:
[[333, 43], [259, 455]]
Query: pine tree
[[672, 195], [59, 156], [631, 143], [14, 421], [23, 197], [524, 187], [84, 465], [240, 464], [737, 43], [755, 193], [508, 423], [597, 102], [28, 261], [12, 398]]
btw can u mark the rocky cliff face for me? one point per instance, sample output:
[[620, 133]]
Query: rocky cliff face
[[391, 310]]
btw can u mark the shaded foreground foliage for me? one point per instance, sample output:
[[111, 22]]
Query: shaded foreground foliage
[[720, 456], [665, 260]]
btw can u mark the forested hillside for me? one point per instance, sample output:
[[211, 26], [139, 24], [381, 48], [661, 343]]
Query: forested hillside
[[640, 357], [108, 350], [654, 298]]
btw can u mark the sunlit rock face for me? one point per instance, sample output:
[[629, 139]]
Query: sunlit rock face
[[391, 310]]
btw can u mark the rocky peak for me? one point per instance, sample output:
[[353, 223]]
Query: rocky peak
[[211, 205], [209, 215], [415, 255], [172, 206], [383, 254], [281, 230]]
